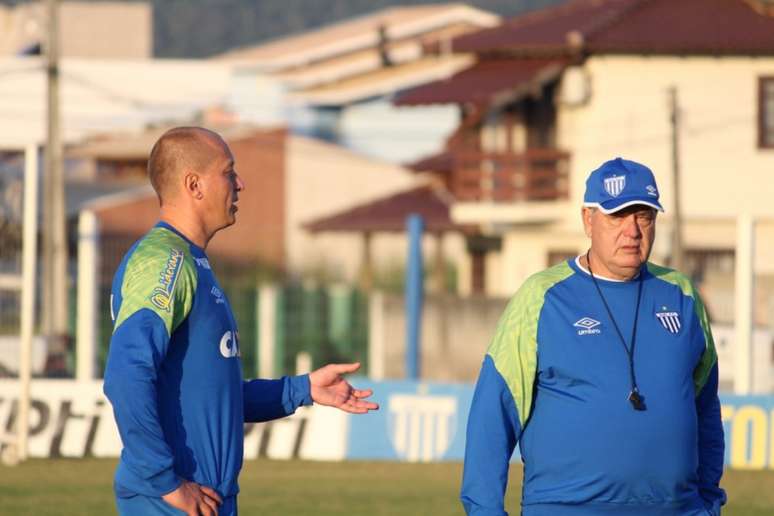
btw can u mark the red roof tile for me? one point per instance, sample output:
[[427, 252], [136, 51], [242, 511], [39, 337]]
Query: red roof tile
[[441, 162], [689, 27], [482, 81], [631, 26], [389, 213], [544, 31]]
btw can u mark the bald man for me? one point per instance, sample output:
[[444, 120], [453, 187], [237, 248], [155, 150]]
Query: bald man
[[173, 372]]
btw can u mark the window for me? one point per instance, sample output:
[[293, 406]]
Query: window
[[766, 113], [701, 264]]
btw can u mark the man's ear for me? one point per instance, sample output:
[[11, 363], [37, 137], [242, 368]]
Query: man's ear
[[586, 214], [193, 185]]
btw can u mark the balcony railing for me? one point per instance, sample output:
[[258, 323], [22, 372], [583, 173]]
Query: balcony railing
[[534, 175]]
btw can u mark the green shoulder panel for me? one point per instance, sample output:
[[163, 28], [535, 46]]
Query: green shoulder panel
[[709, 357], [160, 276], [514, 346]]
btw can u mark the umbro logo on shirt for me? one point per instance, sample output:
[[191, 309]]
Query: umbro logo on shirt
[[588, 326], [218, 295]]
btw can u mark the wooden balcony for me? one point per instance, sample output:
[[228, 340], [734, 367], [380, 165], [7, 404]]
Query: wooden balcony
[[534, 175]]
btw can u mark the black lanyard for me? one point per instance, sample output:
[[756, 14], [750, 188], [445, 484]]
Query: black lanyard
[[637, 400]]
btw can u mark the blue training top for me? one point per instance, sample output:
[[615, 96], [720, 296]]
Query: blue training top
[[174, 376], [556, 379]]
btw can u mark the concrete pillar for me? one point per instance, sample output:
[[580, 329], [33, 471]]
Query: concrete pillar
[[87, 301], [267, 320], [376, 348], [743, 304], [303, 363], [29, 273]]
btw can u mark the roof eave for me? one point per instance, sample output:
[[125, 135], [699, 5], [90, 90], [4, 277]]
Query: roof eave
[[600, 50]]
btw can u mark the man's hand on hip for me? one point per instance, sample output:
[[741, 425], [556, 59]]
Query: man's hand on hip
[[194, 499]]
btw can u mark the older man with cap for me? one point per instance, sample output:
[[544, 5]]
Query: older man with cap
[[604, 371]]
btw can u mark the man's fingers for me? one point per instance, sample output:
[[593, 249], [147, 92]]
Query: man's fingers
[[368, 405], [359, 407], [208, 506], [345, 368], [352, 409], [364, 393], [211, 493]]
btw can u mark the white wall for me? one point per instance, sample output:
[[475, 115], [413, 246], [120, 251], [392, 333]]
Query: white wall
[[627, 115], [397, 134], [105, 95], [763, 371]]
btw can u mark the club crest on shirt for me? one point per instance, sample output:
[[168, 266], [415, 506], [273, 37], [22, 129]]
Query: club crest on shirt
[[669, 320], [161, 297]]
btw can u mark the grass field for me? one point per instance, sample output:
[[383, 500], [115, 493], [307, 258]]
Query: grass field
[[83, 487]]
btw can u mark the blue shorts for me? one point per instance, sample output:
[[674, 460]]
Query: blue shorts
[[139, 505]]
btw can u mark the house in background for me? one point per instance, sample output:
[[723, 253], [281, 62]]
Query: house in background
[[289, 181], [336, 82], [120, 160], [556, 92], [388, 216]]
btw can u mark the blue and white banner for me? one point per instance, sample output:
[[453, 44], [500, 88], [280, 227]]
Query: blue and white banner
[[748, 424], [424, 422], [417, 422]]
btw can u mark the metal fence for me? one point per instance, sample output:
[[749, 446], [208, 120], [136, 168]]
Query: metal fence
[[11, 190]]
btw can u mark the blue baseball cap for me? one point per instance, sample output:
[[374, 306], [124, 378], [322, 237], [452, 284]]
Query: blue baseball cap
[[620, 183]]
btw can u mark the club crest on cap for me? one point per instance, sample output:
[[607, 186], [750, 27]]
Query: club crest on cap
[[619, 183], [614, 185]]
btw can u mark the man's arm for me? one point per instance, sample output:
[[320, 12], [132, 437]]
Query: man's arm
[[711, 444], [265, 400], [503, 398], [710, 426], [136, 350], [154, 297], [492, 434]]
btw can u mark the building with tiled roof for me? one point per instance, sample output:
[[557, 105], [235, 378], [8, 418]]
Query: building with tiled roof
[[554, 93], [338, 80], [290, 180]]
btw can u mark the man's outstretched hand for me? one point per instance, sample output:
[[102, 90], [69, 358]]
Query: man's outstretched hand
[[330, 388]]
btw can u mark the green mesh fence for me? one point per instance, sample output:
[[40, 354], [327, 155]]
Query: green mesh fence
[[329, 323]]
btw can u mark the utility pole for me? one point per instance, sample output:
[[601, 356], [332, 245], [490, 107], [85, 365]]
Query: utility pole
[[54, 306], [677, 260]]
